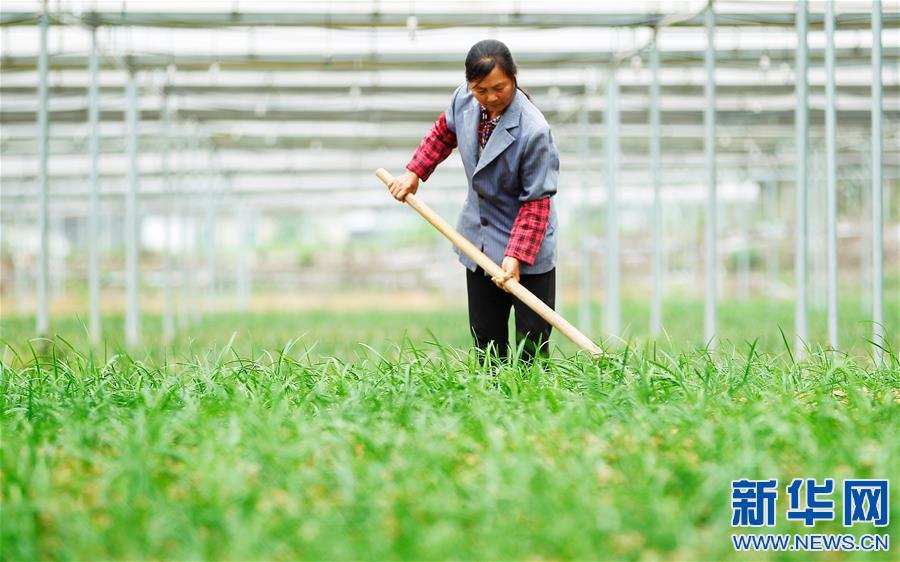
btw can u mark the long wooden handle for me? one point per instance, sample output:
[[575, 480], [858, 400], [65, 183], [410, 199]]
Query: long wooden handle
[[487, 264]]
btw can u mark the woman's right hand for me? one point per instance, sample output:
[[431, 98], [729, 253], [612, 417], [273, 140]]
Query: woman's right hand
[[403, 185]]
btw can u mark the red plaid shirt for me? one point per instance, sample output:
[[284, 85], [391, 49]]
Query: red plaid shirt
[[531, 222]]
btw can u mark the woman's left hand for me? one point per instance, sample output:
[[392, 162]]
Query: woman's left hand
[[510, 268]]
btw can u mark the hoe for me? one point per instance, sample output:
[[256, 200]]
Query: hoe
[[487, 264]]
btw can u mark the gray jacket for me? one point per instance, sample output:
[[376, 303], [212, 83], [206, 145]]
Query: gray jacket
[[519, 163]]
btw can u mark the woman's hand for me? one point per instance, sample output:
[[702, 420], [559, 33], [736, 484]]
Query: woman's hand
[[510, 271], [404, 185]]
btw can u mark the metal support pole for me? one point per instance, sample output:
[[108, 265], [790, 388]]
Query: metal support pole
[[818, 277], [20, 262], [584, 310], [697, 245], [612, 318], [210, 228], [709, 145], [43, 310], [801, 125], [57, 258], [190, 289], [656, 168], [181, 219], [132, 220], [877, 188], [193, 255], [773, 219], [245, 254], [93, 221], [743, 263], [168, 319], [831, 175], [865, 241]]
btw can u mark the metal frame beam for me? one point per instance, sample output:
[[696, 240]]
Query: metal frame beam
[[367, 61], [93, 225], [877, 198], [831, 178], [801, 246], [371, 15], [656, 321], [132, 222], [43, 309], [612, 318], [709, 120]]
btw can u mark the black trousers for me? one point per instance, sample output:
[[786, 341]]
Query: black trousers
[[489, 307]]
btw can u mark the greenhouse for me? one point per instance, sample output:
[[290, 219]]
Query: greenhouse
[[224, 338]]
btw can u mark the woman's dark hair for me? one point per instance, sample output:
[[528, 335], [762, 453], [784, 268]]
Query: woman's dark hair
[[484, 56]]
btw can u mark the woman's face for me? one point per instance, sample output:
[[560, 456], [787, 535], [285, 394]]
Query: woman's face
[[495, 91]]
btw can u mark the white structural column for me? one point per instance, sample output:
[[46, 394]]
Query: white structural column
[[743, 261], [132, 219], [43, 310], [773, 218], [612, 317], [210, 227], [877, 188], [165, 139], [831, 176], [185, 227], [245, 254], [584, 213], [865, 243], [709, 145], [94, 218], [801, 125], [656, 169], [192, 256], [57, 258], [20, 284]]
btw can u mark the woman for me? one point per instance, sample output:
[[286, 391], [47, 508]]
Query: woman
[[512, 168]]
